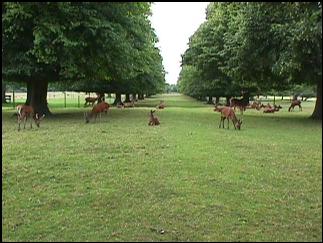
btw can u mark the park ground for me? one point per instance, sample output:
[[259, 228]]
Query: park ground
[[186, 180]]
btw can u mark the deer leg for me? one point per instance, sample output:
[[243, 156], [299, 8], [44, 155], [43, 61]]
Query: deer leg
[[220, 122], [19, 121], [228, 122], [300, 108], [31, 122], [234, 125], [25, 120]]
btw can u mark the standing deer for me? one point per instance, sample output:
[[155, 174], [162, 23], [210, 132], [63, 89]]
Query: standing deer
[[228, 113], [216, 108], [153, 120], [90, 100], [295, 103], [25, 112], [97, 109]]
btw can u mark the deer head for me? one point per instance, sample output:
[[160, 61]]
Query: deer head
[[37, 119]]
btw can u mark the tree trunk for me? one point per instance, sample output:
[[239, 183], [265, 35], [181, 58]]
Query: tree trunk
[[117, 99], [282, 97], [39, 97], [210, 101], [127, 98], [140, 96], [3, 92], [134, 97], [29, 92], [317, 113], [100, 96], [217, 99], [228, 100]]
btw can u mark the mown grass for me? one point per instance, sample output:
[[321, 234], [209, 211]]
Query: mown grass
[[185, 180]]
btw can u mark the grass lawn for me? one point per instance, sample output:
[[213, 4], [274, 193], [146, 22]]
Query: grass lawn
[[185, 180]]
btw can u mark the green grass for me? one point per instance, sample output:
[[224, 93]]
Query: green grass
[[121, 180]]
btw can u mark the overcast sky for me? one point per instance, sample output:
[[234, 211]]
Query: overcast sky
[[174, 23]]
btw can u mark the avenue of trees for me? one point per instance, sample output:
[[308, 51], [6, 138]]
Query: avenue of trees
[[80, 46], [259, 47]]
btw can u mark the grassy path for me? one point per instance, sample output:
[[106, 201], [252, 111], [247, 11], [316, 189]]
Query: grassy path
[[186, 180]]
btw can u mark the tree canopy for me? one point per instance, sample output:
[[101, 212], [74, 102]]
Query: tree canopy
[[103, 47], [258, 47]]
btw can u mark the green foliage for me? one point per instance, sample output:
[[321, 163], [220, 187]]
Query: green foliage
[[256, 46], [85, 46]]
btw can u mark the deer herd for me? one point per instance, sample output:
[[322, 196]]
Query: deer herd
[[25, 112]]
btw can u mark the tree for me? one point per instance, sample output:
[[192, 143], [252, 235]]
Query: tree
[[95, 44]]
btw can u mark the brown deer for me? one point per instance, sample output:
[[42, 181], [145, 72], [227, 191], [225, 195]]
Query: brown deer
[[26, 111], [97, 109], [272, 109], [90, 100], [295, 103], [218, 109], [240, 103], [129, 104], [255, 105], [153, 120], [161, 105], [228, 113], [120, 105]]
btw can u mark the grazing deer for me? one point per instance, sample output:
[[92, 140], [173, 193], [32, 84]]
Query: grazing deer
[[153, 120], [97, 109], [25, 112], [161, 105], [90, 100], [295, 103], [129, 104], [228, 113]]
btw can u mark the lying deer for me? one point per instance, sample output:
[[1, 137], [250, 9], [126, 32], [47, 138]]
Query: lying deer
[[161, 105], [272, 109], [295, 103], [97, 109], [25, 112], [153, 120], [120, 105], [90, 100], [129, 104], [228, 113]]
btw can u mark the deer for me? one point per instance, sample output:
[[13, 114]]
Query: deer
[[272, 109], [153, 120], [97, 109], [161, 105], [228, 113], [129, 104], [26, 111], [295, 103], [90, 100], [120, 105], [218, 109], [240, 103], [255, 105]]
